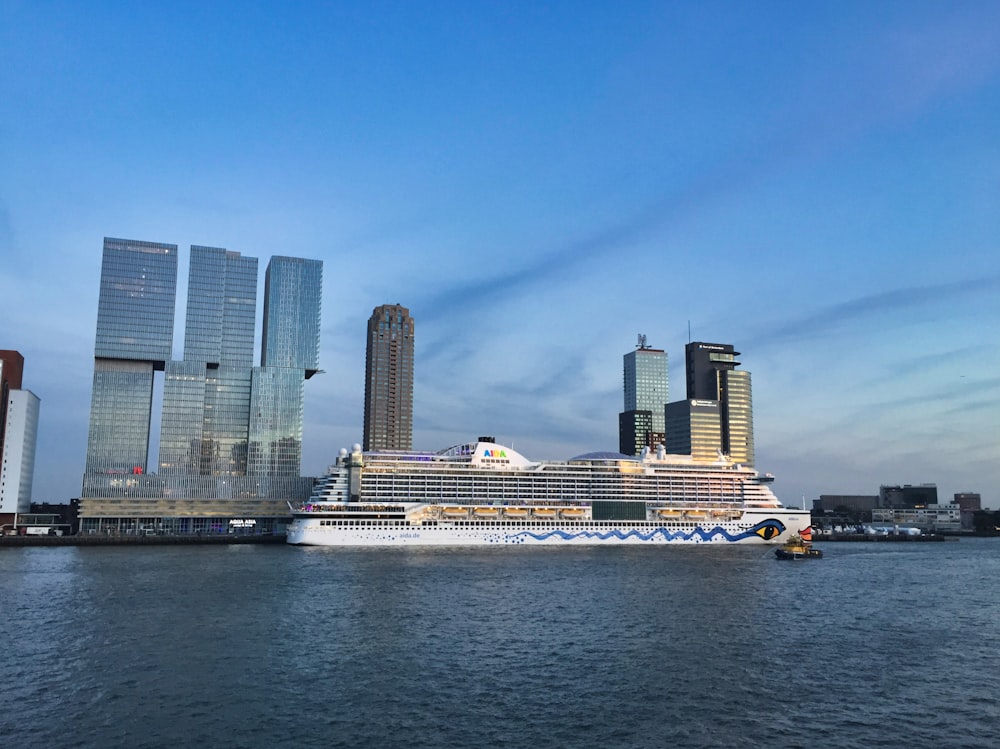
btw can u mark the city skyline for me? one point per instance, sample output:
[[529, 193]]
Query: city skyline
[[815, 184]]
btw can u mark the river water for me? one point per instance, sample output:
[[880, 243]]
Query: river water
[[877, 644]]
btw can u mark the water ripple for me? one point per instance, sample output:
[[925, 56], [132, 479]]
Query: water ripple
[[875, 645]]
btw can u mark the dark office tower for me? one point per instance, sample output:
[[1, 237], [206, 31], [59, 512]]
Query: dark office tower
[[293, 290], [206, 397], [135, 325], [389, 379], [634, 431], [712, 376], [645, 385]]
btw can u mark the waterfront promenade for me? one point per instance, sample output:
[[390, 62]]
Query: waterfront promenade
[[130, 540]]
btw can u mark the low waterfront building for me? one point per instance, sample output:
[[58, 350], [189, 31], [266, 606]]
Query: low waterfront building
[[970, 503], [908, 495], [844, 504], [933, 518]]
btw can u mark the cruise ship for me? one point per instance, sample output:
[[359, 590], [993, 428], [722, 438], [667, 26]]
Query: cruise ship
[[483, 493]]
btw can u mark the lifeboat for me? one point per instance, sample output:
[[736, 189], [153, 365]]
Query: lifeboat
[[669, 513], [696, 514], [545, 513], [516, 512], [489, 513], [574, 513], [455, 512]]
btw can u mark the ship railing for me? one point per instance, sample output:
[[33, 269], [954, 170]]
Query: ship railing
[[343, 506], [708, 506]]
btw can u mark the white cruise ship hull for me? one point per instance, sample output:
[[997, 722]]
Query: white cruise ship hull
[[755, 527]]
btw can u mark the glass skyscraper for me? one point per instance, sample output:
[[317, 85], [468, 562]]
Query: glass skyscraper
[[718, 414], [221, 307], [389, 379], [646, 386], [206, 397], [230, 432], [293, 289], [737, 397], [135, 325]]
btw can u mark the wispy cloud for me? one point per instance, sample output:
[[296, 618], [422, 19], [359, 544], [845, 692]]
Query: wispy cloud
[[899, 76], [905, 299]]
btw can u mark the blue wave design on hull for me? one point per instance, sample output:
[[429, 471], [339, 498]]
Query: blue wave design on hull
[[766, 529]]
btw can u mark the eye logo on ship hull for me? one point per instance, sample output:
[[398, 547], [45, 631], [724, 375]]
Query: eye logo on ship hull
[[768, 529]]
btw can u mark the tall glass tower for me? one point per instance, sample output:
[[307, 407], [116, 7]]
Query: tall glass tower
[[293, 289], [646, 386], [389, 379], [135, 326], [221, 307], [206, 397]]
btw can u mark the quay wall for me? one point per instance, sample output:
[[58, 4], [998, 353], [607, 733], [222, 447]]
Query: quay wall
[[128, 540]]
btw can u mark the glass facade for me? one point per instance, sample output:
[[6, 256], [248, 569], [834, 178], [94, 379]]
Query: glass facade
[[135, 310], [127, 489], [389, 379], [120, 409], [646, 383], [227, 421], [275, 422], [293, 289], [206, 398], [181, 423], [135, 325], [230, 432], [221, 307], [712, 377], [694, 427], [634, 431], [738, 417]]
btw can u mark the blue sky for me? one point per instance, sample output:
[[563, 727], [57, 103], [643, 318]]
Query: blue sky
[[816, 183]]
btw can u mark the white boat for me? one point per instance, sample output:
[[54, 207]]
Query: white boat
[[482, 493]]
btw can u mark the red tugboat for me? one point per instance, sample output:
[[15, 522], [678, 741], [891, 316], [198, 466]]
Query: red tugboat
[[799, 547]]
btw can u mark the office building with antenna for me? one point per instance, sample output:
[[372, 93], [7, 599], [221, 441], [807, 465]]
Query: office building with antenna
[[645, 379], [717, 415]]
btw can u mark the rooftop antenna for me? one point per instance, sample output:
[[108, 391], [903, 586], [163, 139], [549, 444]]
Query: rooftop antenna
[[642, 341], [689, 331]]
